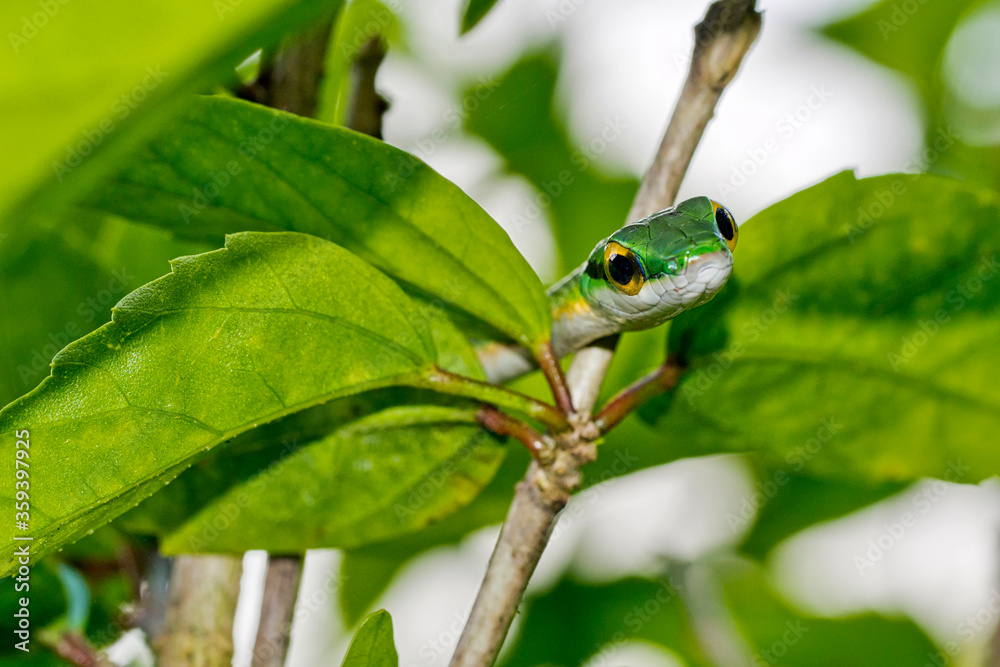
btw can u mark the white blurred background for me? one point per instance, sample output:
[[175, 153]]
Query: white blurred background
[[812, 108]]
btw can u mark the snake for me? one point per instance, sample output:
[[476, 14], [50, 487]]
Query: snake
[[644, 274]]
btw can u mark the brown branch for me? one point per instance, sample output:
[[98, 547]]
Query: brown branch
[[281, 587], [73, 648], [502, 424], [624, 402], [290, 80], [553, 372], [367, 106], [722, 40], [199, 626], [537, 500]]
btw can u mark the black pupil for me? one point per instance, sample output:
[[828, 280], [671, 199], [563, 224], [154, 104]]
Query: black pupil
[[620, 269], [725, 223]]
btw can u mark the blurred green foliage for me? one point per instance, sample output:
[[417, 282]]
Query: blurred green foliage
[[576, 621], [83, 104], [475, 11], [913, 38]]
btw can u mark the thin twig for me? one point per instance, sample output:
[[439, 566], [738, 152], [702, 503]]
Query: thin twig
[[290, 80], [75, 649], [281, 587], [367, 106], [553, 372], [537, 500], [627, 400], [722, 40], [502, 424]]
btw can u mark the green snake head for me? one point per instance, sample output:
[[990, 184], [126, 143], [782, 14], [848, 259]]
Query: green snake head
[[641, 276], [654, 269]]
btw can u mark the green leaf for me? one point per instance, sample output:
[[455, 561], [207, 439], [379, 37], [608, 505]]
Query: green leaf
[[383, 475], [253, 459], [230, 166], [415, 465], [858, 341], [369, 570], [475, 11], [190, 361], [92, 80], [585, 203], [372, 645]]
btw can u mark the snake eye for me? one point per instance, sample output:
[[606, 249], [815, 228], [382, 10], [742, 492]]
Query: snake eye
[[622, 269], [727, 226]]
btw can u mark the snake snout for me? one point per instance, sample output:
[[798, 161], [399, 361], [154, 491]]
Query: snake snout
[[702, 276]]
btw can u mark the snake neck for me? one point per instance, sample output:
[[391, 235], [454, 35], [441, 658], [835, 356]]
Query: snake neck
[[574, 322]]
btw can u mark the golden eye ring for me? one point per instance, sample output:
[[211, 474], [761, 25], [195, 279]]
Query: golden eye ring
[[622, 269], [727, 226]]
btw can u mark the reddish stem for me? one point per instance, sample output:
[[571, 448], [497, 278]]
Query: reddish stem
[[549, 364], [503, 424], [661, 380]]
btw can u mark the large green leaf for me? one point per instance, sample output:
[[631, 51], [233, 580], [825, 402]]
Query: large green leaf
[[229, 166], [414, 465], [390, 473], [859, 338], [85, 82], [372, 645], [229, 340]]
